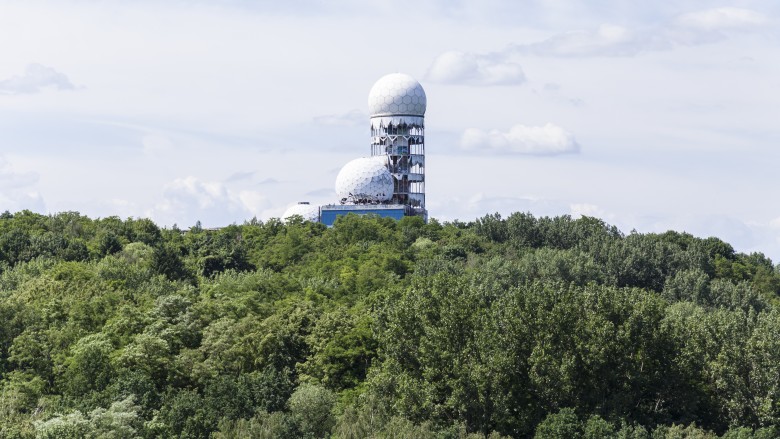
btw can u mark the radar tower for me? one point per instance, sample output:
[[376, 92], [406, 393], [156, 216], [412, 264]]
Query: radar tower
[[397, 104]]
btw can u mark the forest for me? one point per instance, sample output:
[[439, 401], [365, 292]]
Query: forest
[[516, 327]]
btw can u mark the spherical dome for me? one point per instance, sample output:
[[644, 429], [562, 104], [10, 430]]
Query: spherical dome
[[366, 179], [304, 210], [397, 94]]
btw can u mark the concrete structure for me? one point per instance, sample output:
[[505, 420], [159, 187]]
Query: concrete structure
[[390, 183]]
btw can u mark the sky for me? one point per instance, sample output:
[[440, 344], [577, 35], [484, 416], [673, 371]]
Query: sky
[[653, 116]]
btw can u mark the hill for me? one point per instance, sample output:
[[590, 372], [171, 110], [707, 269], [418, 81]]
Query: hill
[[517, 327]]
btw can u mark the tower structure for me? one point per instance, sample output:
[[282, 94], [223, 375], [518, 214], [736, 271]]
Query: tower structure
[[391, 182], [396, 105]]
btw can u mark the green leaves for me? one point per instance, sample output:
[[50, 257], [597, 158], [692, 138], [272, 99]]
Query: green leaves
[[120, 420], [517, 326], [88, 368]]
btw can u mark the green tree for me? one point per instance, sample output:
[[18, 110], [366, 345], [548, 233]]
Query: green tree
[[89, 367], [311, 407], [561, 425]]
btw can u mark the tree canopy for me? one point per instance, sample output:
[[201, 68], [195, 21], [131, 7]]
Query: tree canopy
[[518, 327]]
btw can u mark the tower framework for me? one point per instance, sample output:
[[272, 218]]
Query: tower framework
[[397, 105]]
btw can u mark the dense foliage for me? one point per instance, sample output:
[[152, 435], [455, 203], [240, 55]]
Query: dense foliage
[[518, 327]]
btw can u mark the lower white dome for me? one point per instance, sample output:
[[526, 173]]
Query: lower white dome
[[305, 210], [365, 180]]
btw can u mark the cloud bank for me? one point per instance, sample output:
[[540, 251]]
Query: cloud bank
[[212, 202], [466, 68], [607, 40], [694, 28], [721, 19], [35, 78], [549, 139]]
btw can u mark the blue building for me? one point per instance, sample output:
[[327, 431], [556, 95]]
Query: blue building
[[329, 213]]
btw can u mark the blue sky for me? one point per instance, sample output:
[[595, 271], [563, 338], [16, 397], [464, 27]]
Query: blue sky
[[651, 115]]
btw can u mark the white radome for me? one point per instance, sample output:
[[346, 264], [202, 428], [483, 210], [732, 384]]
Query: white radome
[[366, 179], [397, 94], [305, 210]]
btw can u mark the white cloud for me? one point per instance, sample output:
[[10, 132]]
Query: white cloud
[[774, 224], [721, 19], [187, 200], [15, 201], [35, 78], [17, 189], [455, 67], [607, 40], [254, 202], [549, 139], [611, 40]]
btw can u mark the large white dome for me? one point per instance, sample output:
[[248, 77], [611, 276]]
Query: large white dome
[[366, 179], [305, 210], [397, 94]]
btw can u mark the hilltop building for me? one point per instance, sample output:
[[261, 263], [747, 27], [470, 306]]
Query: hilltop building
[[391, 182]]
